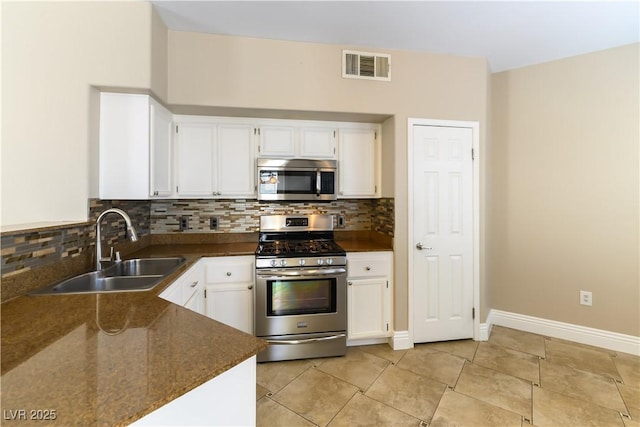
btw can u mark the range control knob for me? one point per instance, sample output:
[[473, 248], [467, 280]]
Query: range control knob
[[329, 261], [274, 263], [302, 262], [320, 261], [283, 262]]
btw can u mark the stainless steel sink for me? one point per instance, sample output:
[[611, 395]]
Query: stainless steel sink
[[126, 276], [143, 267]]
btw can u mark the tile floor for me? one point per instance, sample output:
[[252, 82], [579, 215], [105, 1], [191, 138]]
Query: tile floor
[[514, 379]]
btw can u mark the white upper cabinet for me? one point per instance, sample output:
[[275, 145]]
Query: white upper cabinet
[[195, 147], [277, 141], [318, 142], [213, 158], [161, 129], [289, 139], [135, 147], [236, 165], [359, 162]]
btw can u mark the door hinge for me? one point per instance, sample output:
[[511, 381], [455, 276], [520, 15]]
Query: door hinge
[[334, 133], [375, 135], [473, 313], [473, 154]]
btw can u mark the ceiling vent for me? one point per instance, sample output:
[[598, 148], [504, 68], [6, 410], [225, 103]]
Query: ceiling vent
[[365, 65]]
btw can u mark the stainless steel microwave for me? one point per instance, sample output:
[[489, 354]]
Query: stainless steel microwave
[[297, 179]]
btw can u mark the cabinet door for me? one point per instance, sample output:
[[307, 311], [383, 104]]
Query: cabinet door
[[124, 146], [197, 301], [358, 163], [235, 161], [317, 143], [231, 304], [368, 308], [195, 152], [277, 141], [160, 147]]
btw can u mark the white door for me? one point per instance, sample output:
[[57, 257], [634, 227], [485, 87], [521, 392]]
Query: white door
[[443, 221]]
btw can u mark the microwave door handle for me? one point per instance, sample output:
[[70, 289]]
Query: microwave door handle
[[318, 183]]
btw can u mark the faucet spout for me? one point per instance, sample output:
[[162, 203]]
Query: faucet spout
[[133, 236]]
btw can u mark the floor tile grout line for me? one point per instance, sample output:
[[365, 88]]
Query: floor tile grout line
[[289, 409], [489, 403], [393, 407], [343, 406]]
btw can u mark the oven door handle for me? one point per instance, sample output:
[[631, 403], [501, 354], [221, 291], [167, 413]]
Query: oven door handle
[[318, 182], [308, 341], [305, 273]]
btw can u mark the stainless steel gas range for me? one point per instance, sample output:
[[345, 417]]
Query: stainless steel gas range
[[301, 292]]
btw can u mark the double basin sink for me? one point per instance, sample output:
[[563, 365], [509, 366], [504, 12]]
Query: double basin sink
[[140, 274]]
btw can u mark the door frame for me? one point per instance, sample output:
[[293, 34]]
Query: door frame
[[475, 145]]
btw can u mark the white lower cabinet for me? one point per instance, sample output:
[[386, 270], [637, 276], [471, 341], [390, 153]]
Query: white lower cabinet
[[188, 289], [369, 290], [229, 283]]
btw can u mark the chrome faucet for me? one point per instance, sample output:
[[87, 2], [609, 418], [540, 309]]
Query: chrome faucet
[[133, 236]]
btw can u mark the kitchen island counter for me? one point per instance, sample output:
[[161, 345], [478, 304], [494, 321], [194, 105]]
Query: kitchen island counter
[[109, 359]]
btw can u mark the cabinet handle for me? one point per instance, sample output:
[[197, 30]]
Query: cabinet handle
[[228, 274], [250, 287], [350, 283], [194, 284], [367, 268]]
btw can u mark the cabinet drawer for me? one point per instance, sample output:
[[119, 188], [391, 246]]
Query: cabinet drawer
[[230, 270], [369, 264]]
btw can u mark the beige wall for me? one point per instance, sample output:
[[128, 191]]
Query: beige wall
[[563, 204], [223, 71], [52, 52]]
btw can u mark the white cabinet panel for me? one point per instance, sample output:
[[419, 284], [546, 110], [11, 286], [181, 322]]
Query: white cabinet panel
[[229, 291], [277, 141], [369, 290], [135, 147], [318, 143], [161, 158], [359, 163], [188, 289], [215, 159], [235, 161], [195, 157]]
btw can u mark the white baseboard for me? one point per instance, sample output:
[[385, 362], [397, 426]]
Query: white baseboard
[[368, 341], [581, 334], [401, 340], [398, 341], [483, 332]]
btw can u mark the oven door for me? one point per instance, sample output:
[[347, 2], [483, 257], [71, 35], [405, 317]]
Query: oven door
[[300, 301]]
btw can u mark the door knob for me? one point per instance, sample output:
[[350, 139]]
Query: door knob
[[420, 247]]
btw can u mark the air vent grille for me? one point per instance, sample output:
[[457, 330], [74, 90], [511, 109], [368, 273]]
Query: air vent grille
[[364, 65]]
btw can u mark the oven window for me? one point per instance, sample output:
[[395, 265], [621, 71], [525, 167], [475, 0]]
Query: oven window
[[294, 297]]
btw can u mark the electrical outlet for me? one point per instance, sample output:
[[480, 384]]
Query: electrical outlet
[[214, 223], [184, 223], [341, 221], [586, 298]]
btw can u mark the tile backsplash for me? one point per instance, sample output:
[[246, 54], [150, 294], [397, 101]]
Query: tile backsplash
[[25, 250], [242, 216]]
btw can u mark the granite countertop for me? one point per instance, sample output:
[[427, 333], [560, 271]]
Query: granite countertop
[[109, 359]]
